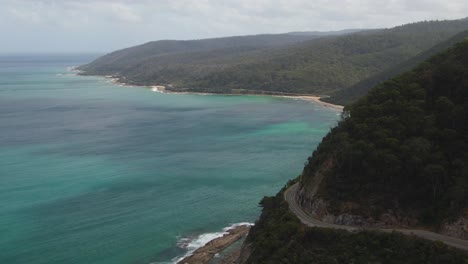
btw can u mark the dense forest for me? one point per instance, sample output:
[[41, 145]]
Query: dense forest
[[167, 52], [291, 63], [402, 147]]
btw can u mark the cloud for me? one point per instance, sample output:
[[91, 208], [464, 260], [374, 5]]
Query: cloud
[[111, 24], [25, 15], [125, 13]]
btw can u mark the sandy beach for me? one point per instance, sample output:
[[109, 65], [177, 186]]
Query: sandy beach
[[314, 99], [311, 98]]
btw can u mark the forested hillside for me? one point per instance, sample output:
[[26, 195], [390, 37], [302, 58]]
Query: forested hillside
[[351, 94], [162, 51], [302, 64], [399, 156]]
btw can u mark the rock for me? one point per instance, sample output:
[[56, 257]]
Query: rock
[[458, 228], [206, 253]]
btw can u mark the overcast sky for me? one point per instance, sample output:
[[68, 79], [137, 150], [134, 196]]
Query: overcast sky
[[106, 25]]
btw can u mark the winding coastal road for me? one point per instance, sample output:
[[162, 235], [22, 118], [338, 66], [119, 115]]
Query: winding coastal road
[[289, 196]]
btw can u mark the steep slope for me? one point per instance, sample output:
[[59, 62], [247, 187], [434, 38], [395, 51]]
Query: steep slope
[[318, 66], [351, 94], [399, 156]]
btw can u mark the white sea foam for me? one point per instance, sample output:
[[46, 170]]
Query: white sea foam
[[192, 244], [155, 89], [158, 88], [65, 74], [74, 70]]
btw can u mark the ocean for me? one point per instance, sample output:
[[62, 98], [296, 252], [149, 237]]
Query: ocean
[[95, 172]]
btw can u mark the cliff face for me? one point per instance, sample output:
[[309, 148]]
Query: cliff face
[[278, 237], [349, 212], [398, 157]]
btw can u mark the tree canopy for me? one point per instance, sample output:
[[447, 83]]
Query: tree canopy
[[404, 146]]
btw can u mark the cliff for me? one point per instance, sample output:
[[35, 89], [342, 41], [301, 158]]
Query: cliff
[[398, 158], [399, 154]]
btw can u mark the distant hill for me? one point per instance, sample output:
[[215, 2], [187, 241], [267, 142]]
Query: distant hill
[[351, 94], [122, 60], [290, 63], [326, 33]]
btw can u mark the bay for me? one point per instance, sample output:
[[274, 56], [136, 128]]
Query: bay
[[94, 172]]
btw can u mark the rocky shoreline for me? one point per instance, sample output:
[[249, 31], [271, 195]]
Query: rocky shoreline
[[204, 254]]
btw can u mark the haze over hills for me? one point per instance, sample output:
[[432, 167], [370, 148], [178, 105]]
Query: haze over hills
[[287, 63], [326, 33], [128, 58], [351, 94], [397, 159]]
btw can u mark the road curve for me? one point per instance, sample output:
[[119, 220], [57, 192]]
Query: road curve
[[289, 196]]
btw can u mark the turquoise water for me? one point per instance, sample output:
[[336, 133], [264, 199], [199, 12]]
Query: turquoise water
[[93, 172]]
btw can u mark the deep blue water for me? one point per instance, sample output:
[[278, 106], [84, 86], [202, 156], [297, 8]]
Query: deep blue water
[[93, 172]]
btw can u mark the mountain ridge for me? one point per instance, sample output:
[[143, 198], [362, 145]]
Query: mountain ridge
[[319, 66]]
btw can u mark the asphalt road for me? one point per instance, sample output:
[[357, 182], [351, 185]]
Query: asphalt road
[[310, 221]]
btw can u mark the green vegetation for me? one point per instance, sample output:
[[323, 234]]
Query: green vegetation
[[174, 52], [288, 63], [404, 146], [278, 237], [351, 94]]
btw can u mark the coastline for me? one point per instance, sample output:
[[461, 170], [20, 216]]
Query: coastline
[[213, 247], [163, 89], [310, 98], [206, 252]]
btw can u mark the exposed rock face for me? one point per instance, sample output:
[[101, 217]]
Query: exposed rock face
[[319, 209], [345, 215], [458, 228], [352, 220]]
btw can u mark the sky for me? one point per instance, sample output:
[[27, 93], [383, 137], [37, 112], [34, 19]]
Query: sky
[[50, 26]]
